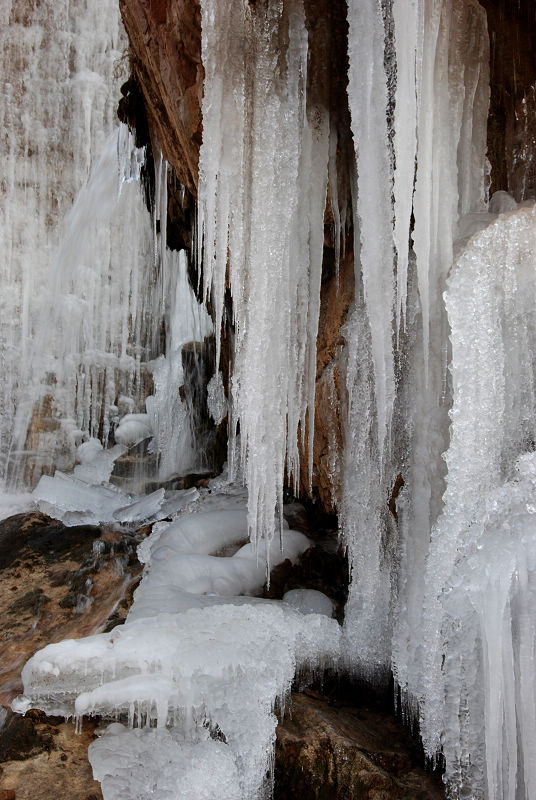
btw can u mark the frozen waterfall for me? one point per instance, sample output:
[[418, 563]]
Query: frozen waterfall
[[437, 474], [58, 110]]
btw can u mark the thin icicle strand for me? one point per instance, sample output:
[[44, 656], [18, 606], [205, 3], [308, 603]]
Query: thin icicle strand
[[407, 16], [367, 94]]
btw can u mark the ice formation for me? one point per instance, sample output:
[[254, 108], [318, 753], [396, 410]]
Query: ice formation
[[452, 95], [263, 206], [59, 107], [480, 575], [195, 655], [445, 596], [170, 420]]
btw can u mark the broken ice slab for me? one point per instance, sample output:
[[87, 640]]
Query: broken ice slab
[[143, 508], [176, 500], [75, 502]]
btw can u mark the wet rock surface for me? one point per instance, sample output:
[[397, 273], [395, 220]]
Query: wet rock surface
[[41, 758], [329, 753], [57, 583]]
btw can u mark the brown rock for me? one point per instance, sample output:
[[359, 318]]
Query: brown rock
[[43, 759], [165, 55], [60, 587], [323, 753]]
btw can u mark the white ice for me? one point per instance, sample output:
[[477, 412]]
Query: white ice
[[133, 429], [484, 540], [262, 206], [206, 674], [309, 601]]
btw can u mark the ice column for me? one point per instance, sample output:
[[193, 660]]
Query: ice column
[[480, 578], [262, 194]]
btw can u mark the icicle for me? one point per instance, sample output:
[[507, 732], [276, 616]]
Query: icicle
[[452, 100], [367, 625], [451, 105], [408, 35], [334, 197], [367, 94], [261, 209]]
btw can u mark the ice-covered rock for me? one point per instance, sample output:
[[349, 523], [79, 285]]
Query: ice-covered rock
[[194, 656]]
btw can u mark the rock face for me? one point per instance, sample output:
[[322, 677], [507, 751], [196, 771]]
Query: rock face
[[323, 753], [512, 117], [165, 57], [57, 583], [41, 759]]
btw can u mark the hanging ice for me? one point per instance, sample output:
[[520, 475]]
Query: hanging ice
[[367, 96], [261, 206]]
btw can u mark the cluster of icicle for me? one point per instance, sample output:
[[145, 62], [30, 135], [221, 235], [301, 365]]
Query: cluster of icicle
[[262, 190], [434, 167], [416, 193]]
